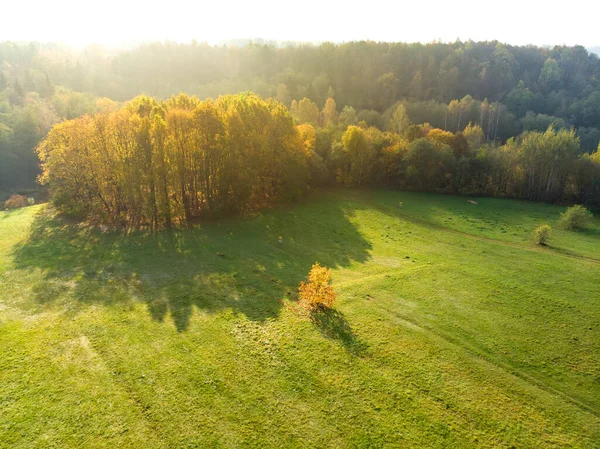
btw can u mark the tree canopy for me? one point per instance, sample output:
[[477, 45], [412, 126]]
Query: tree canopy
[[474, 99], [154, 163]]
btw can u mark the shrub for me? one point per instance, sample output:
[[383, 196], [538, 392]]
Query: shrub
[[542, 234], [575, 217], [317, 292], [15, 202]]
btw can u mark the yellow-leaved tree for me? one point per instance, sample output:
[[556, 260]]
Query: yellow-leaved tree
[[329, 113], [152, 164], [317, 291]]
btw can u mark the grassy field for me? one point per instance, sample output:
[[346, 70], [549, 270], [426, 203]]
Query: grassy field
[[452, 329]]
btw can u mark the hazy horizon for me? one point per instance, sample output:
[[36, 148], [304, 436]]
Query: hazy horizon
[[122, 25], [241, 41]]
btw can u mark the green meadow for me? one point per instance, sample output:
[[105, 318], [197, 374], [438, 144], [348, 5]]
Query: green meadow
[[452, 329]]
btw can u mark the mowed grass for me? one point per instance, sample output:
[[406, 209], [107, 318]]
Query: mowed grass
[[452, 329]]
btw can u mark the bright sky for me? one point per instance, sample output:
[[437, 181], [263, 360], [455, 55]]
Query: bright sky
[[126, 22]]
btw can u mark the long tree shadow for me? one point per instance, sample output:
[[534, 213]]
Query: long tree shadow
[[333, 324], [236, 264]]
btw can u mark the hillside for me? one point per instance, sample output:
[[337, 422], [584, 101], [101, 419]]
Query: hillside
[[452, 329]]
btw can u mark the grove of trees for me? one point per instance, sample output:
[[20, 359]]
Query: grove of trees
[[155, 164]]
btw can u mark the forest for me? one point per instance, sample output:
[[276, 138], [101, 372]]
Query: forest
[[153, 163], [493, 108]]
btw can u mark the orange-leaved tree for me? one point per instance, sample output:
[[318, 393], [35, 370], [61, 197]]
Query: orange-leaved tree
[[317, 290]]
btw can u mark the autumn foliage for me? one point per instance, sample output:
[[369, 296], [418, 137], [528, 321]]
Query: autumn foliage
[[541, 234], [317, 291], [156, 164], [15, 202]]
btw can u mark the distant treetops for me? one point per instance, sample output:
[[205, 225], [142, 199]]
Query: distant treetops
[[155, 164]]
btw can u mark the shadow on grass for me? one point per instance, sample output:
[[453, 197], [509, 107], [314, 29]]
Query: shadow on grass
[[235, 264], [570, 253], [333, 324]]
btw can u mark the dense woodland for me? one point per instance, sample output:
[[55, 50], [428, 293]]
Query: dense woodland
[[154, 163], [496, 95]]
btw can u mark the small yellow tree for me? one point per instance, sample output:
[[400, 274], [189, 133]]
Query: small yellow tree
[[316, 291], [542, 234]]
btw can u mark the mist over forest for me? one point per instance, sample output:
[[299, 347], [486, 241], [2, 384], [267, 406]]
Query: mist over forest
[[531, 87]]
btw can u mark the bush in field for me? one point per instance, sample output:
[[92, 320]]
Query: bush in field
[[542, 234], [317, 292], [575, 217], [15, 202]]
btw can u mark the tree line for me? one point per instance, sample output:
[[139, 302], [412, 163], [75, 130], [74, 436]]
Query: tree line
[[547, 165], [506, 90], [157, 163]]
